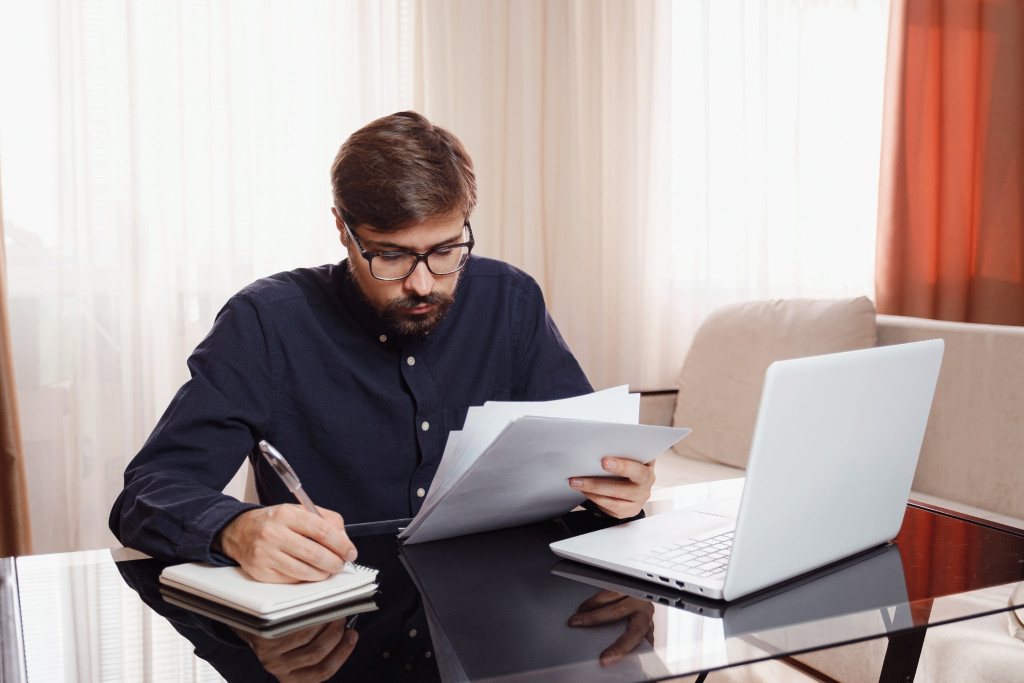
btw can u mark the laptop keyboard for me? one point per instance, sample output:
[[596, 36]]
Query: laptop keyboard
[[706, 557]]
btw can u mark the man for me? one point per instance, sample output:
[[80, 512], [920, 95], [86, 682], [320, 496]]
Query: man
[[356, 371]]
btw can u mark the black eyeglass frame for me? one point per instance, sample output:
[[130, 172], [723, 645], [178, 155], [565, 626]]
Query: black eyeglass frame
[[369, 255]]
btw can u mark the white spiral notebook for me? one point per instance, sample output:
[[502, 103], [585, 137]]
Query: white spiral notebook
[[230, 586]]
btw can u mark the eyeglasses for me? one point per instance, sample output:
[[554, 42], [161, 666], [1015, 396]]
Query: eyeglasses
[[398, 265]]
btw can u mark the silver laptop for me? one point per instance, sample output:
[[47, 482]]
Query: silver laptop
[[832, 460]]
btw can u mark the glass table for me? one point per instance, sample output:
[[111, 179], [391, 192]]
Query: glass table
[[499, 606]]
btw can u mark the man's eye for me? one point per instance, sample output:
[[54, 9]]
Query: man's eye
[[442, 251], [392, 256]]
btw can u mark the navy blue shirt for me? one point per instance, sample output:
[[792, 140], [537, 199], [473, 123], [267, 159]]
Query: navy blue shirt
[[302, 360]]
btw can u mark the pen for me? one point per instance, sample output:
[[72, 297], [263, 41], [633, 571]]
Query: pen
[[287, 474]]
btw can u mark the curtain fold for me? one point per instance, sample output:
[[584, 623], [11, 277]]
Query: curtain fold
[[951, 199], [15, 531]]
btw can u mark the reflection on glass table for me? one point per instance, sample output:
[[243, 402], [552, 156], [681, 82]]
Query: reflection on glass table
[[500, 605]]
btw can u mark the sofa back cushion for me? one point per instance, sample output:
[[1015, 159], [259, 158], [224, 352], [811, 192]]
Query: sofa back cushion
[[723, 373]]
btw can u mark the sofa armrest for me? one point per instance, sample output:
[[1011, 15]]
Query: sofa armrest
[[973, 451]]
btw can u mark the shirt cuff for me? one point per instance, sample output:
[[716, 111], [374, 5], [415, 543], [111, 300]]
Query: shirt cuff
[[594, 509]]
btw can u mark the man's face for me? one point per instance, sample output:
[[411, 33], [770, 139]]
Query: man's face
[[418, 303]]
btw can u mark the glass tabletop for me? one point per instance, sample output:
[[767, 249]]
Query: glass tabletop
[[500, 606]]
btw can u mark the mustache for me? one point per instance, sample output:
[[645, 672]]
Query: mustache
[[431, 299]]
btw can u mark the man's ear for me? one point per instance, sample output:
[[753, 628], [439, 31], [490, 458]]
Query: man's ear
[[340, 224]]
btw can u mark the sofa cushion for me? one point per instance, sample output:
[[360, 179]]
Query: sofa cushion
[[722, 375]]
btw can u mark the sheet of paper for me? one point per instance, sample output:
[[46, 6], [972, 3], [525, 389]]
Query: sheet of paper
[[523, 476], [484, 423]]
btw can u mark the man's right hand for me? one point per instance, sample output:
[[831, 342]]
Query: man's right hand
[[286, 543]]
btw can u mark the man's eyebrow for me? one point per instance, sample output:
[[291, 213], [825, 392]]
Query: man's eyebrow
[[391, 246]]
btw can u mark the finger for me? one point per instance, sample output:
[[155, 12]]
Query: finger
[[330, 664], [599, 599], [617, 507], [280, 555], [635, 633], [634, 483], [636, 472], [318, 649], [273, 649], [320, 543], [606, 614], [328, 530]]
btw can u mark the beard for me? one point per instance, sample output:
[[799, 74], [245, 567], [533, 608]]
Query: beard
[[393, 313], [394, 316]]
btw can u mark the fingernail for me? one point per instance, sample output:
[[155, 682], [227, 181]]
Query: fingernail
[[575, 621], [610, 465], [608, 658], [351, 555], [576, 483], [351, 637]]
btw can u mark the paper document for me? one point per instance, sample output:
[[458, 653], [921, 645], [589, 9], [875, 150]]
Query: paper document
[[512, 463]]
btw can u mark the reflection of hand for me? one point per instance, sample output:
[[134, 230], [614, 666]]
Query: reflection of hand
[[286, 543], [609, 606], [621, 496], [311, 654]]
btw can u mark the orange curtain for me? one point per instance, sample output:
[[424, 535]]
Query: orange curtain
[[15, 535], [951, 200]]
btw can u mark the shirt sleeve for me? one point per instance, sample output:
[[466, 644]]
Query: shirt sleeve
[[172, 504], [544, 367]]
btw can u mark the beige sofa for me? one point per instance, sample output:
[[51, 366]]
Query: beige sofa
[[972, 459]]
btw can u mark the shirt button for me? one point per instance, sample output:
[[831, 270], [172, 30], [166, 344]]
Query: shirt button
[[385, 655], [421, 492], [410, 360], [428, 654], [412, 633], [383, 338], [408, 667], [425, 426]]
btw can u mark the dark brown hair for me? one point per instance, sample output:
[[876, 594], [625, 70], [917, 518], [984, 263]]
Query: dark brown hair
[[400, 170]]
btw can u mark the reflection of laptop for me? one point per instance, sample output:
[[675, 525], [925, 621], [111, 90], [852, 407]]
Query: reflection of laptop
[[872, 580], [833, 457]]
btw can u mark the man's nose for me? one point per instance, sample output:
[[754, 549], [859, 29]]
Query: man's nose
[[420, 281]]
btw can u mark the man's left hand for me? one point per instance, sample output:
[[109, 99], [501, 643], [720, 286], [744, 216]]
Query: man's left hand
[[624, 494]]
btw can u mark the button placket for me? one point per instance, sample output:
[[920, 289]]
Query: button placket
[[426, 416]]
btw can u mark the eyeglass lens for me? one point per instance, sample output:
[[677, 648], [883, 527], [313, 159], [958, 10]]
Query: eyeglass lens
[[397, 265]]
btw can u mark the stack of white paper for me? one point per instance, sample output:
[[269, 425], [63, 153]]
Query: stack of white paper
[[231, 587], [512, 461]]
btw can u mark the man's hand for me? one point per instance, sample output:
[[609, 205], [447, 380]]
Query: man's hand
[[607, 607], [622, 496], [286, 543], [311, 654]]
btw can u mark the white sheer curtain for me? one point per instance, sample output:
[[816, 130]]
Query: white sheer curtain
[[774, 154], [645, 160], [156, 158], [649, 161]]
